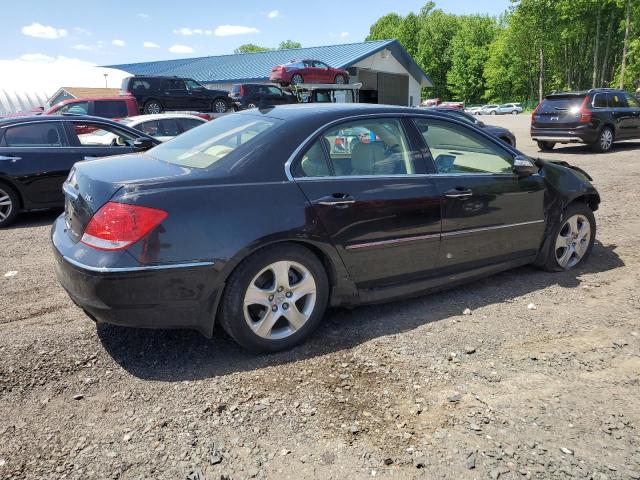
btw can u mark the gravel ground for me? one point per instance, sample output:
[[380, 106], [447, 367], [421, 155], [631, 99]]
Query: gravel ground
[[411, 389]]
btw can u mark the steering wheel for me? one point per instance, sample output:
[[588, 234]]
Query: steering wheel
[[392, 149], [114, 142]]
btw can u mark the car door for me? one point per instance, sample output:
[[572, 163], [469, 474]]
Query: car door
[[622, 114], [375, 201], [310, 73], [489, 215], [177, 97], [634, 107], [38, 157], [323, 73], [199, 98]]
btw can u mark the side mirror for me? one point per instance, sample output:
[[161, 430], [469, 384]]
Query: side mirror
[[142, 144], [523, 166], [481, 123]]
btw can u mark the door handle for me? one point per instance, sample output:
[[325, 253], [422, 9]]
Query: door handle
[[459, 193], [337, 200], [9, 157]]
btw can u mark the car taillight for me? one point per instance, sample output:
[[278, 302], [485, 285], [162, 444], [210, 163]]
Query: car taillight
[[242, 90], [535, 112], [118, 225], [585, 113]]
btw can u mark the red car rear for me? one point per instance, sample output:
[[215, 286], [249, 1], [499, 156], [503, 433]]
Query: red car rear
[[307, 71]]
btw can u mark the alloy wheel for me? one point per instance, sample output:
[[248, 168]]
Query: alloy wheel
[[279, 300], [572, 242], [340, 80], [296, 79], [153, 108], [6, 205], [220, 106], [606, 139]]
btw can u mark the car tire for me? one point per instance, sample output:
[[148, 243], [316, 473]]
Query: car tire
[[255, 294], [219, 105], [251, 105], [546, 146], [9, 205], [567, 247], [605, 140], [493, 112], [340, 80], [152, 107], [514, 112], [297, 79]]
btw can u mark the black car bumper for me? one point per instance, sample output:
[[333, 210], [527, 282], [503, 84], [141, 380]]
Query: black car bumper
[[568, 135], [158, 296]]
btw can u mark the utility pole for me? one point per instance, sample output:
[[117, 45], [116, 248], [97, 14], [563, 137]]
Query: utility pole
[[105, 79], [624, 48]]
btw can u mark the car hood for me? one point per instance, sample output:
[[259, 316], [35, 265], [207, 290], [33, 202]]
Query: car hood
[[497, 131]]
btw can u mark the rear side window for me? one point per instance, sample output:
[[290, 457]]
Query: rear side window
[[48, 134], [140, 85], [78, 108], [110, 108], [313, 163], [600, 100], [202, 147], [560, 104], [176, 85], [188, 123], [617, 100]]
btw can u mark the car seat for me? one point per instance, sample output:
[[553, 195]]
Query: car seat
[[53, 139], [367, 158]]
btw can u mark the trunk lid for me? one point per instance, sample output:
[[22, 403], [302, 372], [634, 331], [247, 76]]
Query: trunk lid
[[559, 111], [93, 183]]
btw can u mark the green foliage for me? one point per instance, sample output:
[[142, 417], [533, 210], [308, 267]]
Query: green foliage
[[287, 44], [250, 48], [535, 47]]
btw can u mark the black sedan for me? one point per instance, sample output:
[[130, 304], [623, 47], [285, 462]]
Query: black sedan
[[37, 153], [502, 133], [257, 222]]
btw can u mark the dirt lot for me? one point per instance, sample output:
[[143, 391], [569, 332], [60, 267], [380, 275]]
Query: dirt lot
[[408, 389]]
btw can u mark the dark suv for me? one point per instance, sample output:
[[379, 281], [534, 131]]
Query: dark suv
[[252, 95], [161, 94], [597, 117]]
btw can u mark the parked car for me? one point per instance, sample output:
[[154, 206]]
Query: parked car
[[509, 108], [474, 110], [105, 107], [252, 95], [37, 153], [175, 239], [491, 109], [597, 117], [307, 71], [499, 132], [162, 127], [162, 94]]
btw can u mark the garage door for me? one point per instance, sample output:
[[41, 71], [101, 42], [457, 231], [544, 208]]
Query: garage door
[[393, 89]]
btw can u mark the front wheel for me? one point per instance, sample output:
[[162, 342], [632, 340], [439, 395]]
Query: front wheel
[[340, 80], [219, 106], [514, 112], [9, 204], [275, 298], [493, 112], [604, 142], [297, 79], [571, 240], [546, 146]]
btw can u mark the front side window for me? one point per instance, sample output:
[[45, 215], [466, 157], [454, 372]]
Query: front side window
[[202, 147], [274, 91], [79, 108], [617, 100], [455, 150], [363, 148], [110, 108], [320, 65], [176, 84], [632, 101], [193, 85], [45, 134], [188, 123], [98, 135]]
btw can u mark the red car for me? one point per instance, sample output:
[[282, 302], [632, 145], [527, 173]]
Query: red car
[[307, 71], [105, 107]]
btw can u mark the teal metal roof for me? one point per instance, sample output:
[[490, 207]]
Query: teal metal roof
[[257, 66]]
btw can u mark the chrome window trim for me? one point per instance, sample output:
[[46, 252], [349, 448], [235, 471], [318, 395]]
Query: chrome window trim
[[417, 114], [82, 266], [401, 175], [395, 241]]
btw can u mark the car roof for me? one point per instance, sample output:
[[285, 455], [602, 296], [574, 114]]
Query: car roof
[[89, 99], [50, 118], [160, 116]]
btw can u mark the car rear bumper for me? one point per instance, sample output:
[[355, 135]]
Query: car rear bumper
[[157, 296], [555, 135]]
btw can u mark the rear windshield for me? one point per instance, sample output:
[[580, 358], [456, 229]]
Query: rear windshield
[[560, 104], [202, 147]]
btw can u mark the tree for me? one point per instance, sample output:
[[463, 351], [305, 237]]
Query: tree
[[250, 48], [385, 28], [289, 44]]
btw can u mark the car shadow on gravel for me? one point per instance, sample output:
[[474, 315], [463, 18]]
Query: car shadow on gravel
[[37, 218], [177, 355]]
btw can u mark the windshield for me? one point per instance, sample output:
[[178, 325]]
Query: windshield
[[204, 146]]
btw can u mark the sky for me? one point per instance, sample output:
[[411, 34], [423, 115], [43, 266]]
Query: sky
[[117, 31]]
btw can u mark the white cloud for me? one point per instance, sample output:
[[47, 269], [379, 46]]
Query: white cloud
[[118, 43], [43, 31], [187, 32], [273, 14], [82, 46], [35, 58], [228, 30], [151, 45], [82, 31], [177, 48], [143, 15], [344, 34]]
